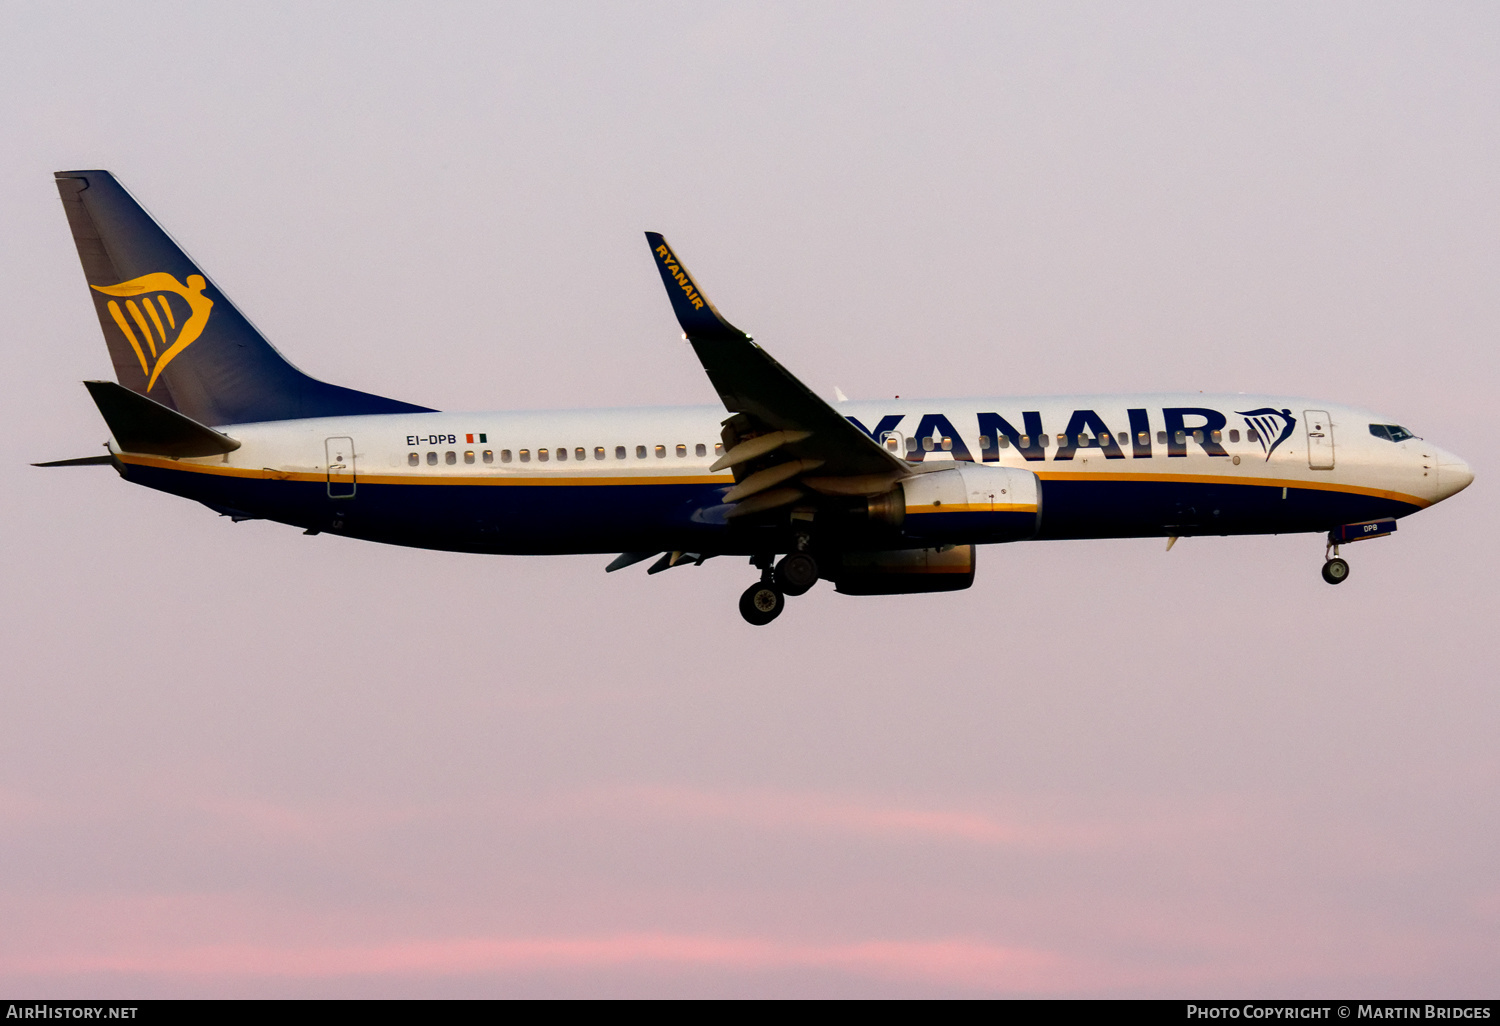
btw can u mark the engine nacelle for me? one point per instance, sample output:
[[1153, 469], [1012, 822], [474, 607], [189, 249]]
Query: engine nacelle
[[972, 503], [903, 571]]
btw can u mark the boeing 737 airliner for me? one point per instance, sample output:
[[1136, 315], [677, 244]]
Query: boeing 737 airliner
[[879, 498]]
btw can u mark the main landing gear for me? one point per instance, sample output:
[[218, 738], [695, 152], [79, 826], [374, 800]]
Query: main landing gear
[[796, 574], [763, 601]]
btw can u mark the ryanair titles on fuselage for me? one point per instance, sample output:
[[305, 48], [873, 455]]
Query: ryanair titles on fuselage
[[1181, 426]]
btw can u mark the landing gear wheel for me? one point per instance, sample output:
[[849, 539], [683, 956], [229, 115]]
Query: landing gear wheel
[[1335, 571], [796, 573], [761, 603]]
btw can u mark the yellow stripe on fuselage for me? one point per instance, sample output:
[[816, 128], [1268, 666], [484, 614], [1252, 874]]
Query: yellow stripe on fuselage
[[583, 481]]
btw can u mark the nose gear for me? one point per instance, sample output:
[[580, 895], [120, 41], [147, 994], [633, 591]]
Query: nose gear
[[1335, 570]]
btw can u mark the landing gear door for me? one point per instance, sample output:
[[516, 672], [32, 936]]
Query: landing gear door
[[340, 452], [1319, 439]]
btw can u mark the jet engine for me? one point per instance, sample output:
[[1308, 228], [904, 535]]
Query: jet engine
[[970, 503], [903, 571]]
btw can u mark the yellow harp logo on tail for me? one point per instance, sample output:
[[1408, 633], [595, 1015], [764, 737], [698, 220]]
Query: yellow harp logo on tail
[[160, 317]]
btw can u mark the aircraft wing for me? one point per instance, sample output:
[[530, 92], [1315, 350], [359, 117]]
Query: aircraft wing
[[778, 421]]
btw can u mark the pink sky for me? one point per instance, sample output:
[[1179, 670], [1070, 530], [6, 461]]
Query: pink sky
[[239, 760]]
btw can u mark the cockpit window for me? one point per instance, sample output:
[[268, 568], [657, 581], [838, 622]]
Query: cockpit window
[[1391, 432]]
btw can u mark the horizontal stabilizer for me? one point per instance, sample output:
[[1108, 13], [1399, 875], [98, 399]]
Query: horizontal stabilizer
[[81, 461], [143, 425]]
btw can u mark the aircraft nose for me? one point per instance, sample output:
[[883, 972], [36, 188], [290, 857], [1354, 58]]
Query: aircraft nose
[[1454, 474]]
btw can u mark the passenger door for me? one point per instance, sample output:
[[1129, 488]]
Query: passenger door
[[1319, 439], [340, 453]]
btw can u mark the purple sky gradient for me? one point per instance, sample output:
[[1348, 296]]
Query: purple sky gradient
[[241, 761]]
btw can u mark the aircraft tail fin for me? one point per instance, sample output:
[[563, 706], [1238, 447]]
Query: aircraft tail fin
[[172, 334]]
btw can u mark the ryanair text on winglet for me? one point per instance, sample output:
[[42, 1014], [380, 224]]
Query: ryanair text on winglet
[[674, 267]]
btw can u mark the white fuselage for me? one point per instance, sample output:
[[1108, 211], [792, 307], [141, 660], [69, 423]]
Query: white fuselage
[[591, 480]]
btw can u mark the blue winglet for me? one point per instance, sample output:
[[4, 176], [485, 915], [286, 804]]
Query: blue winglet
[[694, 312]]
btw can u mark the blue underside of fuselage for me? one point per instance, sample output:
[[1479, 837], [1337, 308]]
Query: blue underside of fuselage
[[541, 519]]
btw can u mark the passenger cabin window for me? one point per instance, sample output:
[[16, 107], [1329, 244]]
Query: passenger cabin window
[[681, 450], [1026, 441], [1181, 438], [619, 452], [1198, 437], [432, 459], [718, 449], [580, 453], [413, 459], [489, 455], [1251, 435], [450, 457], [598, 452], [562, 453], [1124, 438], [1234, 434], [927, 445], [1144, 438], [525, 455], [1217, 436], [541, 456], [504, 455], [640, 452], [1161, 438], [700, 449], [661, 452], [469, 456], [911, 444]]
